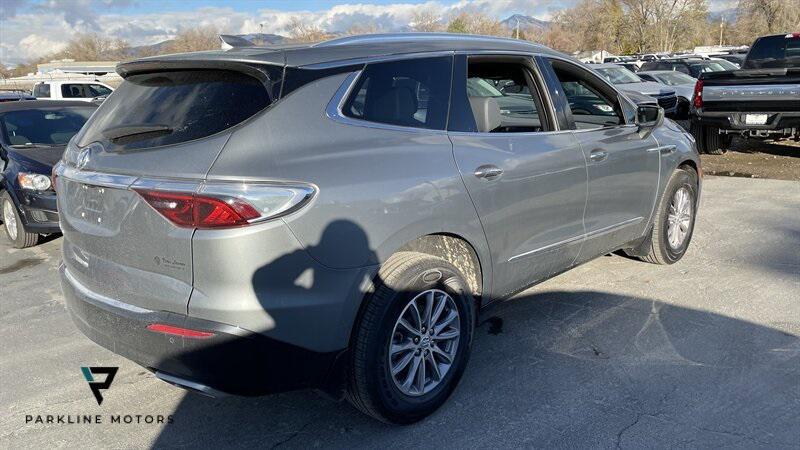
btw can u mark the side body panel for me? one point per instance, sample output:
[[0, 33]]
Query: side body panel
[[378, 188], [532, 214]]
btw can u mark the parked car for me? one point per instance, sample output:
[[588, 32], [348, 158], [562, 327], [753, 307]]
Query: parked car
[[682, 84], [33, 135], [629, 81], [15, 96], [735, 58], [71, 90], [760, 101], [335, 216], [632, 66], [689, 66]]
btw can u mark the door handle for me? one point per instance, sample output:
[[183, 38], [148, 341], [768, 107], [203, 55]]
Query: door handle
[[598, 155], [668, 149], [488, 171]]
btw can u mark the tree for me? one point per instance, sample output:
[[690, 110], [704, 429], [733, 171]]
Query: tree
[[93, 47], [300, 31], [756, 18], [426, 20], [195, 40], [476, 23]]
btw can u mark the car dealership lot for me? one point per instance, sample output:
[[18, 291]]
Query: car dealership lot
[[616, 352]]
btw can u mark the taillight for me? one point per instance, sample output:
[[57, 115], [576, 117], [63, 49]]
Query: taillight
[[225, 205], [698, 94]]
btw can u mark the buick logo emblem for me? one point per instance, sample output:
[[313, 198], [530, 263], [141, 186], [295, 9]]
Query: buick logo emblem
[[83, 158]]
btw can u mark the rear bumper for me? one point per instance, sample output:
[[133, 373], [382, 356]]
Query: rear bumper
[[232, 361], [777, 121]]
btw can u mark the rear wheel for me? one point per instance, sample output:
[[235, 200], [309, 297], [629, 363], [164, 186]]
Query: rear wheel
[[13, 226], [716, 143], [674, 221], [413, 339]]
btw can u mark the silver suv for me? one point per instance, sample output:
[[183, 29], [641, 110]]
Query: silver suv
[[336, 216]]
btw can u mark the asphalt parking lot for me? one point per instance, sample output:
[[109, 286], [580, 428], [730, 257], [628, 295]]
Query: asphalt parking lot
[[616, 353]]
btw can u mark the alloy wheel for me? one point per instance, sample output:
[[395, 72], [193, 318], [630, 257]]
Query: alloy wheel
[[10, 220], [424, 342], [679, 219]]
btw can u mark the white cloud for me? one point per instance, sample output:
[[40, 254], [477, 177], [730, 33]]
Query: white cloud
[[36, 30]]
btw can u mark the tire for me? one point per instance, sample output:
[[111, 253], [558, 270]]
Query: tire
[[661, 250], [10, 213], [696, 130], [371, 387], [716, 143]]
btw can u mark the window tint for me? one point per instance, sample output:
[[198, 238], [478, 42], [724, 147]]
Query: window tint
[[42, 90], [411, 93], [176, 106], [502, 97], [774, 52], [592, 104], [97, 90], [73, 91], [49, 126]]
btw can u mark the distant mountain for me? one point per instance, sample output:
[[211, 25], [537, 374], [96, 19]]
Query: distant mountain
[[728, 15], [161, 47], [526, 23]]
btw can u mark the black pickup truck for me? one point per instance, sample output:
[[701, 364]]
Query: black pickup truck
[[761, 100]]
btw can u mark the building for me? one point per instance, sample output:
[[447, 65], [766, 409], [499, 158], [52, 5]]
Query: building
[[69, 66]]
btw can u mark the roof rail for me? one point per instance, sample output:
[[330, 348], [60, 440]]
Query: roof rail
[[384, 37], [229, 42]]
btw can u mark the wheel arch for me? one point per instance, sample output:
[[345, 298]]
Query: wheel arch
[[456, 250]]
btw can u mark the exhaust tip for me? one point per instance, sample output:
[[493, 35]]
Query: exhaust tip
[[189, 385]]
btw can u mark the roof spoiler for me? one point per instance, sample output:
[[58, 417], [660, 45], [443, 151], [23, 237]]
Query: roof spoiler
[[229, 42]]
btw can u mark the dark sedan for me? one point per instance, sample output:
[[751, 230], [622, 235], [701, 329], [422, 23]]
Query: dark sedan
[[33, 135]]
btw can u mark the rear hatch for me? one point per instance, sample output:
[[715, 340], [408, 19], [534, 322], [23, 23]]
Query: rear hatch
[[752, 90], [162, 129]]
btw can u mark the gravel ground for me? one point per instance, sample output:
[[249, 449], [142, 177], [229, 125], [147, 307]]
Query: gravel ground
[[756, 159], [614, 354]]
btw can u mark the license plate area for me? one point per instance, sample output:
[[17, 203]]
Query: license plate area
[[90, 204], [756, 119]]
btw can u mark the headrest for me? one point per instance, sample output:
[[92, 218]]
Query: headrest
[[486, 112], [396, 105]]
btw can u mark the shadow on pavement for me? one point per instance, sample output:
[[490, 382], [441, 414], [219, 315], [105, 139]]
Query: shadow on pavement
[[559, 369]]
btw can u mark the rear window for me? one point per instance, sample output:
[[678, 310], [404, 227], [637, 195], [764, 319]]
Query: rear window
[[774, 52], [41, 90], [44, 126], [163, 108], [410, 93]]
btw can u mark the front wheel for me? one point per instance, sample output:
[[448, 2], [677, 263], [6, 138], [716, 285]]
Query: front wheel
[[412, 341], [674, 221], [12, 224]]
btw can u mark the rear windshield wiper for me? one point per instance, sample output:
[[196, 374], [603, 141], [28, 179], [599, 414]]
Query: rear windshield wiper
[[126, 134], [34, 145]]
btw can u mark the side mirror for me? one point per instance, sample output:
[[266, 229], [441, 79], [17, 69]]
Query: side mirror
[[649, 116]]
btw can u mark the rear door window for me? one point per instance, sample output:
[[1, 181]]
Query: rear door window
[[73, 91], [41, 90], [163, 108], [409, 93]]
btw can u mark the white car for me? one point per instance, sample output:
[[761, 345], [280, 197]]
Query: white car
[[71, 90]]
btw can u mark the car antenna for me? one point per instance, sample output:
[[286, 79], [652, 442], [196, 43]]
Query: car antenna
[[230, 41]]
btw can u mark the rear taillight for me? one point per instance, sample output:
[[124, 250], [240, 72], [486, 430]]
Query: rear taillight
[[226, 205], [698, 94]]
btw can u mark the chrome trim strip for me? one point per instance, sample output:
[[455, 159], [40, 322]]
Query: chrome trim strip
[[548, 247], [95, 178], [580, 237], [663, 148], [612, 228], [99, 298]]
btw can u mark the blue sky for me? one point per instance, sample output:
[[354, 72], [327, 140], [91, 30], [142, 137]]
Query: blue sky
[[34, 28]]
